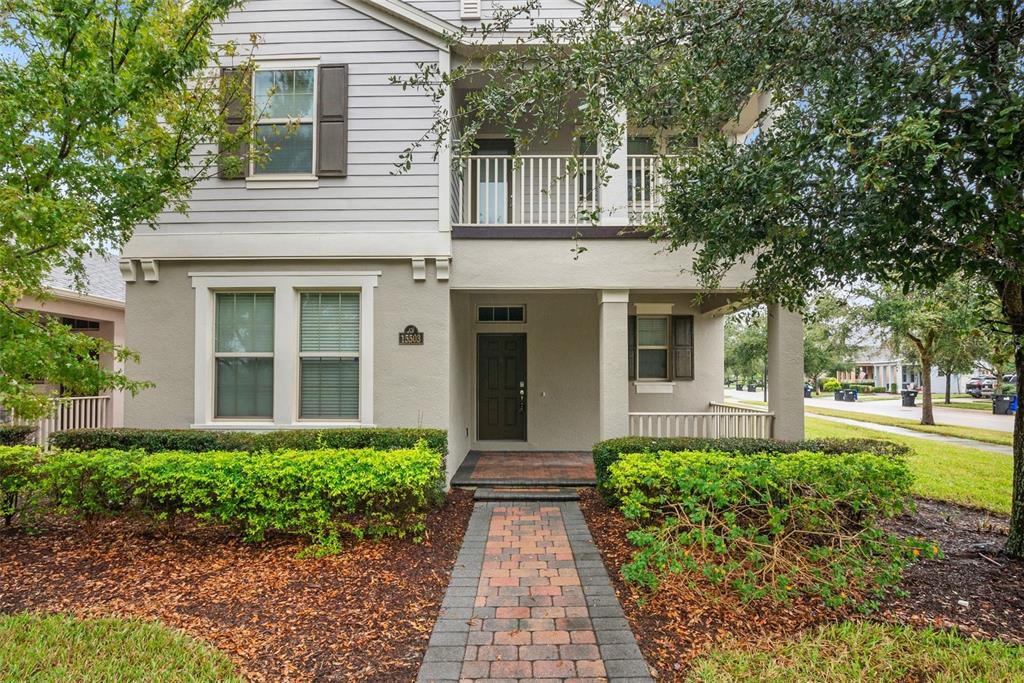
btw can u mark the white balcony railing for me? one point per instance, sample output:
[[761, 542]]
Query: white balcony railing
[[642, 186], [80, 412], [721, 421], [525, 190]]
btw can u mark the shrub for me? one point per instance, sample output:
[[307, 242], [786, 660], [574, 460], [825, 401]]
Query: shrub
[[200, 441], [88, 484], [318, 493], [767, 524], [314, 493], [607, 452], [15, 435], [18, 477], [831, 385]]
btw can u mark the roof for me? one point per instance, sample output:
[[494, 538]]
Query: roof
[[102, 275]]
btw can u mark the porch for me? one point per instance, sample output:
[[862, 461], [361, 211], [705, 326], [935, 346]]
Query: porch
[[538, 377], [78, 412]]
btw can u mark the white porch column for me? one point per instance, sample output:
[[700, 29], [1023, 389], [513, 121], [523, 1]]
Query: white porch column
[[786, 372], [613, 361], [615, 195], [115, 414]]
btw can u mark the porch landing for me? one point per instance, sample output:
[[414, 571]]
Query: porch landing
[[526, 468]]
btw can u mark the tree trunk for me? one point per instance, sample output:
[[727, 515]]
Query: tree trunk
[[1013, 309], [947, 388], [927, 414]]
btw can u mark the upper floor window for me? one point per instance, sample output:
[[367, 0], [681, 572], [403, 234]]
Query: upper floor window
[[284, 102]]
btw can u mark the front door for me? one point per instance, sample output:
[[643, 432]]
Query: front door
[[501, 387]]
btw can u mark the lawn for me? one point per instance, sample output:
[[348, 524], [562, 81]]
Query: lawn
[[62, 648], [984, 435], [863, 651], [956, 474]]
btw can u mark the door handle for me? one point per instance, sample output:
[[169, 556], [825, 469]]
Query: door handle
[[522, 400]]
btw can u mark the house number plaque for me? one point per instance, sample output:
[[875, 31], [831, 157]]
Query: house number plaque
[[410, 337]]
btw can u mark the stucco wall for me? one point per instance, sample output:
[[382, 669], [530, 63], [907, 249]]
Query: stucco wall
[[410, 382]]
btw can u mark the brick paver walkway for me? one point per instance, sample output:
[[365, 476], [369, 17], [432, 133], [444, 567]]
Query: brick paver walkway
[[529, 600]]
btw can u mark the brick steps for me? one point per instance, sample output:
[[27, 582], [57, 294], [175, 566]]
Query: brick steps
[[546, 493]]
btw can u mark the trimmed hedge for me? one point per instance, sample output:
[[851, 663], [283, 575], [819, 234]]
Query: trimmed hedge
[[18, 477], [769, 525], [320, 494], [15, 435], [607, 452], [200, 441]]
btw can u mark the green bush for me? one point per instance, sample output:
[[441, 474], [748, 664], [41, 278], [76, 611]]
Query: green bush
[[15, 435], [607, 452], [317, 493], [18, 478], [767, 524], [831, 384], [200, 441], [89, 484]]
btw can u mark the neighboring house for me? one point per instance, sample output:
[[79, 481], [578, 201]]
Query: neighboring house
[[321, 289], [97, 310], [886, 369]]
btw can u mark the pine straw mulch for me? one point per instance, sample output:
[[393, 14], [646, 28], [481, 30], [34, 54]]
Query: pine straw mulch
[[365, 614], [686, 618]]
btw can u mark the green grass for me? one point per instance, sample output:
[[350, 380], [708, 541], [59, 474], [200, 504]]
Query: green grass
[[984, 435], [957, 474], [984, 404], [59, 648], [879, 653]]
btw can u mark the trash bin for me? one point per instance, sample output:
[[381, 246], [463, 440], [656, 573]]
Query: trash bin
[[751, 387], [1013, 406], [1001, 405], [909, 398], [807, 391], [739, 387], [839, 395], [850, 395]]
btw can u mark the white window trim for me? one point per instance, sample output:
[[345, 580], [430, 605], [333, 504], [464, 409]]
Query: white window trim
[[667, 348], [286, 287], [287, 64]]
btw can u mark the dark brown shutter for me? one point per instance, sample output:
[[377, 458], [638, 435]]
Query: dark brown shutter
[[236, 88], [632, 347], [332, 121], [682, 347]]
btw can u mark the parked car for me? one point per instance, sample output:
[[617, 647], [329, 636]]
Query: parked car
[[981, 386]]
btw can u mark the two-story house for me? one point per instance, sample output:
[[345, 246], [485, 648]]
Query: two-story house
[[320, 289]]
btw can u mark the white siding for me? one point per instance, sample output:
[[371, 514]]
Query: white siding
[[383, 120], [449, 10]]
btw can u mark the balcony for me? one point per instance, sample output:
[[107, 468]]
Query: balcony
[[545, 190]]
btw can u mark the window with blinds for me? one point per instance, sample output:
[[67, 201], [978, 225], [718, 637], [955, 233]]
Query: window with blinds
[[329, 355], [244, 355], [652, 338]]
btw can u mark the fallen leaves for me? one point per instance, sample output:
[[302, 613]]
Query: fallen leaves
[[365, 614]]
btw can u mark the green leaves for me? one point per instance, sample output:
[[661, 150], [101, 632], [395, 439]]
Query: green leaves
[[770, 525], [321, 494]]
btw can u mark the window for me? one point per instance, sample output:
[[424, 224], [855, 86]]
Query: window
[[284, 101], [501, 314], [652, 347], [329, 355], [661, 347], [244, 355]]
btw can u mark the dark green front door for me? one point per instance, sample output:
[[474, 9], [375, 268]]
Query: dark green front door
[[501, 387]]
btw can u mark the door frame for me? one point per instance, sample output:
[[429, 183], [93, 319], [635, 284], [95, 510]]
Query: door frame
[[476, 387]]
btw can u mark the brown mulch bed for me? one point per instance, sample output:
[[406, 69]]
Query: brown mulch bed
[[685, 619], [365, 614], [972, 571]]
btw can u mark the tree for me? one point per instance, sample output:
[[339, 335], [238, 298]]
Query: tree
[[935, 326], [746, 345], [103, 106], [829, 329], [891, 149]]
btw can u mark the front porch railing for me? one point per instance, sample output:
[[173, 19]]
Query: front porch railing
[[720, 421], [79, 412], [537, 189]]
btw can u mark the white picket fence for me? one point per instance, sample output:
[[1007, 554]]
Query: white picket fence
[[720, 421], [80, 412]]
